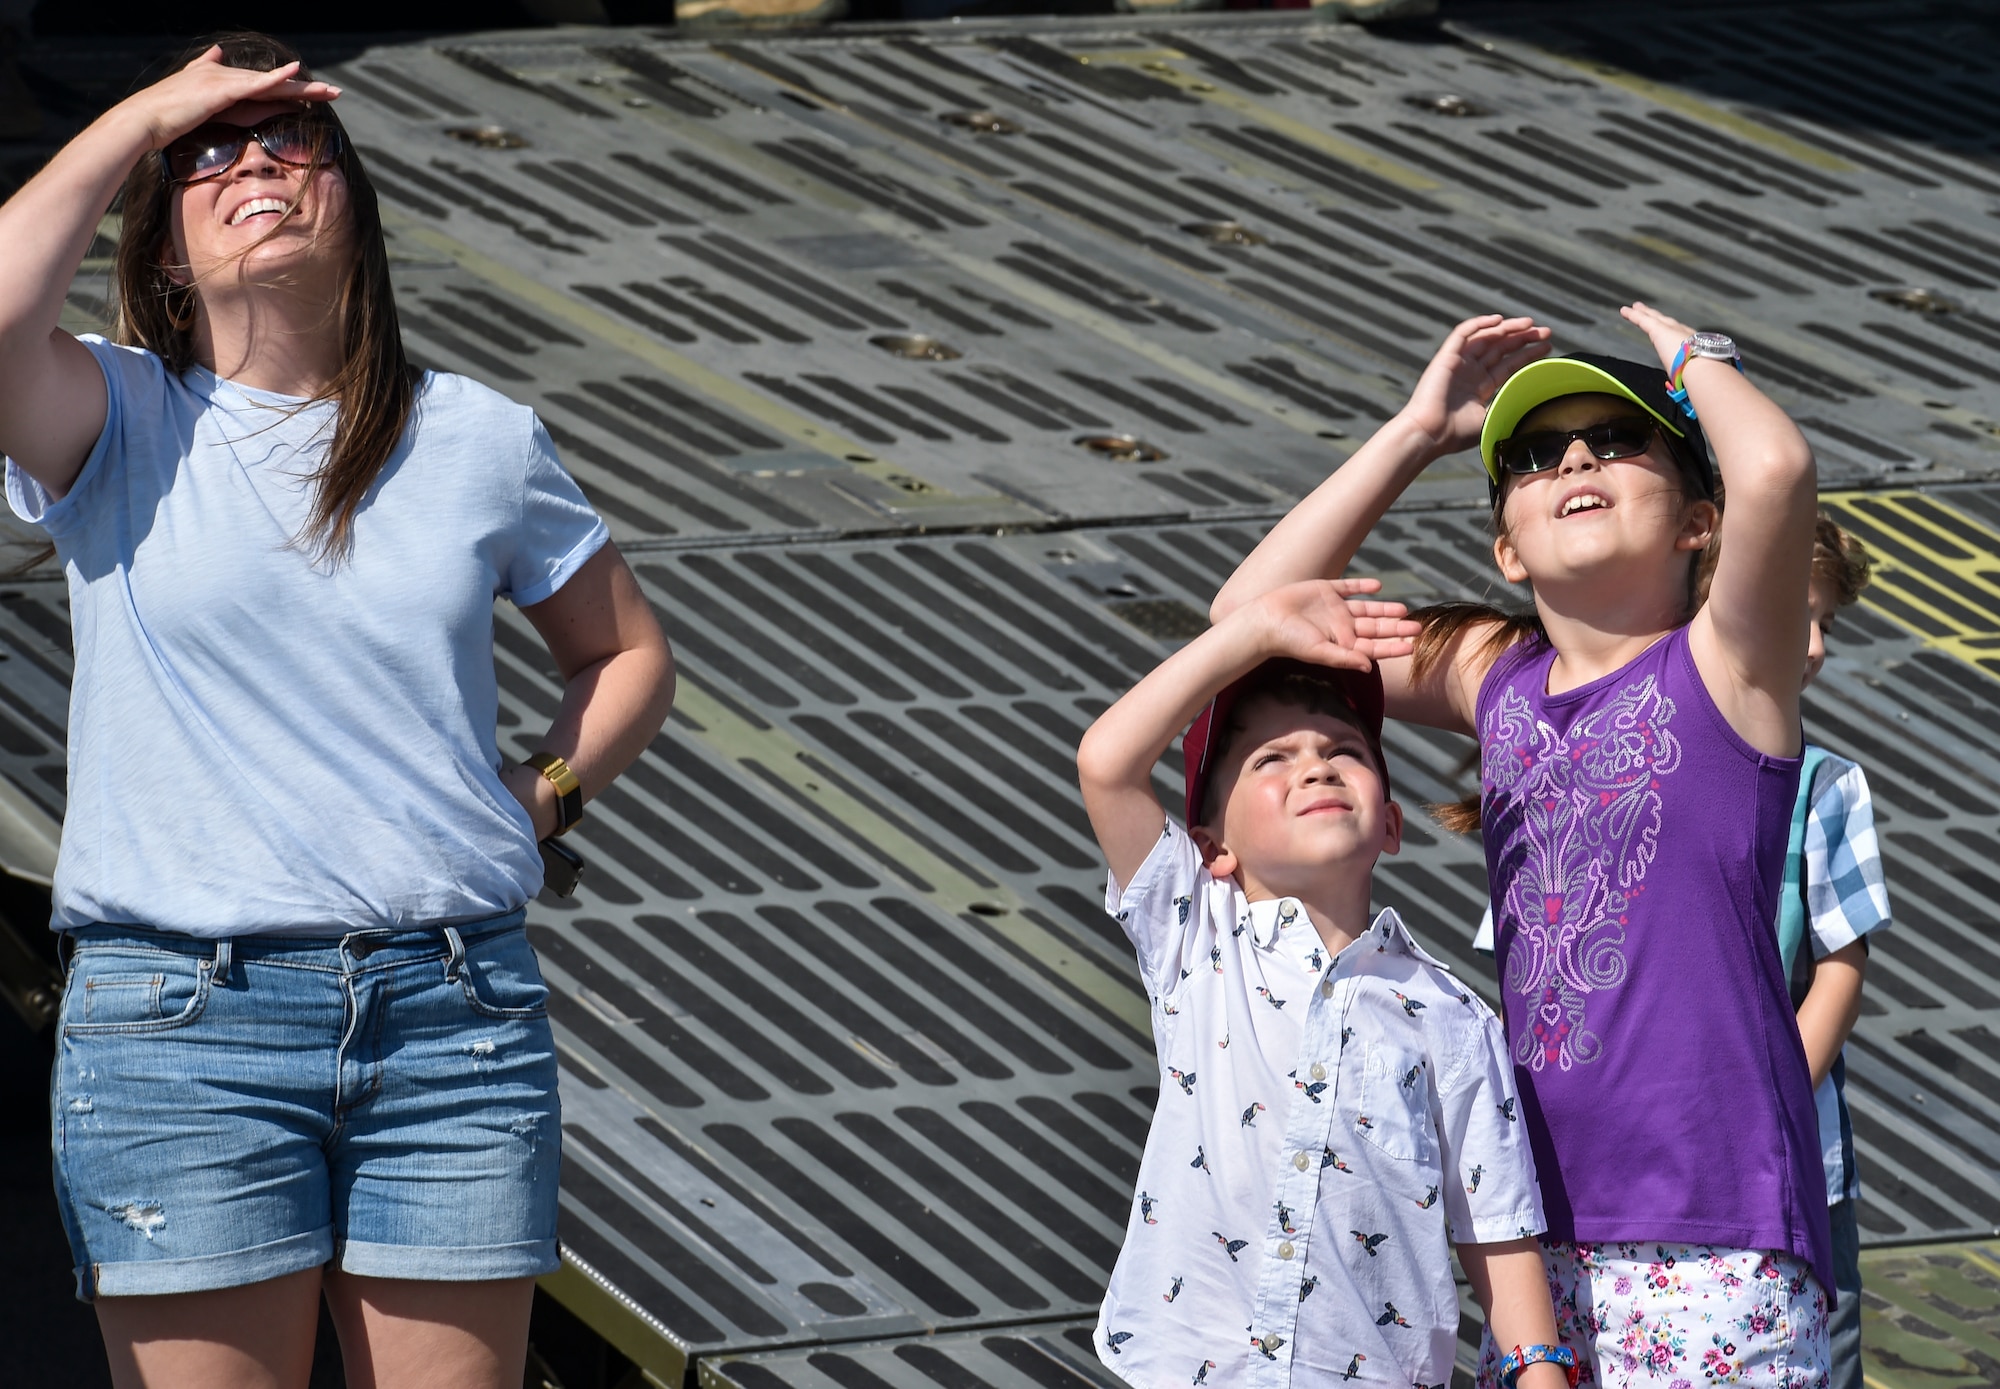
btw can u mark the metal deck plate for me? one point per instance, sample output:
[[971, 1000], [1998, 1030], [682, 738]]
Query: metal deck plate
[[850, 1051]]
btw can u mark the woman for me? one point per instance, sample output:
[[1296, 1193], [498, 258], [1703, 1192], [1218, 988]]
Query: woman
[[303, 1046]]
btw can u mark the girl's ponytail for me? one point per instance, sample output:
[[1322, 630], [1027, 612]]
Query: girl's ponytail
[[1444, 624]]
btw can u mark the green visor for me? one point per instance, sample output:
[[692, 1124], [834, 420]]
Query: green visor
[[1645, 386]]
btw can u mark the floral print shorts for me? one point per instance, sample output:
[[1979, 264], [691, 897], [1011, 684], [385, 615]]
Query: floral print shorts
[[1684, 1316]]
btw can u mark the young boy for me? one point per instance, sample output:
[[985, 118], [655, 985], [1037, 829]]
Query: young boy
[[1336, 1111], [1834, 891]]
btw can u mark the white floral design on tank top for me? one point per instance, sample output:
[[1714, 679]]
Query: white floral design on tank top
[[1589, 803]]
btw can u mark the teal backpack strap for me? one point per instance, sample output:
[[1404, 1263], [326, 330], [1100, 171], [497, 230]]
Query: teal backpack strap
[[1792, 897]]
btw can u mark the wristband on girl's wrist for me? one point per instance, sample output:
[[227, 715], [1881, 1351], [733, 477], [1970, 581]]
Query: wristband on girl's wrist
[[1714, 345], [1520, 1357]]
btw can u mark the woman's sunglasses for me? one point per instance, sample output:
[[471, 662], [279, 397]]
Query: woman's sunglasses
[[1544, 449], [209, 151]]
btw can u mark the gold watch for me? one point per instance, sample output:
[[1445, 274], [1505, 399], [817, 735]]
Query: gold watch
[[569, 791]]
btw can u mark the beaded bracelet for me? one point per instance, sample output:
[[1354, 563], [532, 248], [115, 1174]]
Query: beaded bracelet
[[1520, 1357]]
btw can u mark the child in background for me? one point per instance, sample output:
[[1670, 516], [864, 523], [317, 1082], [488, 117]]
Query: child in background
[[1335, 1110], [1834, 890], [1640, 760]]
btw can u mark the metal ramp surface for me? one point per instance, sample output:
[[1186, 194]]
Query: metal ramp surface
[[850, 1053]]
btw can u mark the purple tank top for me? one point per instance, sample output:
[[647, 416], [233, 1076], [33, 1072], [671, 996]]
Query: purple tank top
[[1634, 848]]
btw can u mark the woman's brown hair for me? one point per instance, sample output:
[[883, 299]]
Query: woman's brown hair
[[375, 389]]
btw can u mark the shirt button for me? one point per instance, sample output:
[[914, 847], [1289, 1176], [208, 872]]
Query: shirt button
[[1285, 1250], [1326, 989], [1302, 1161], [1319, 1070]]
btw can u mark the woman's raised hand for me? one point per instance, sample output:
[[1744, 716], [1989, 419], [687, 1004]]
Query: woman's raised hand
[[207, 87], [1667, 333], [1449, 403], [1334, 622]]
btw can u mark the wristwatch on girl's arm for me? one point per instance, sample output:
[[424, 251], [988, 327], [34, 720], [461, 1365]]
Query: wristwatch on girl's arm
[[1719, 346]]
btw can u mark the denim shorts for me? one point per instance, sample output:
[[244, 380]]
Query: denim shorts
[[226, 1112]]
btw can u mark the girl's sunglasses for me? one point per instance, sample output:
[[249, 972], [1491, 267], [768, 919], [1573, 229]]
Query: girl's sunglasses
[[1544, 449], [209, 151]]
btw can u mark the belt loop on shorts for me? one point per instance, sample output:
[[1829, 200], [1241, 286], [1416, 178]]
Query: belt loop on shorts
[[225, 959], [456, 961]]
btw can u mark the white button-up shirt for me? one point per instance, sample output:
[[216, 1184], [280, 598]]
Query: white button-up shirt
[[1327, 1128]]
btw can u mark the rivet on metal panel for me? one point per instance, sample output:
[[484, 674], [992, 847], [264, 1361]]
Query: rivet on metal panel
[[920, 347], [981, 122], [1122, 448], [1447, 104], [488, 137], [1924, 301], [1225, 233]]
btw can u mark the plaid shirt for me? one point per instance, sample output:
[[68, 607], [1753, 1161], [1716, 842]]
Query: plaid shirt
[[1845, 899]]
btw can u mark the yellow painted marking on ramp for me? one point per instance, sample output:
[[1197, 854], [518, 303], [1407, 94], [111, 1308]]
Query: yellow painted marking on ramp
[[1346, 151], [1744, 127], [951, 890], [1937, 570], [915, 491]]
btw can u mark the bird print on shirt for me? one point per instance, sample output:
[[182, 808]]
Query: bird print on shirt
[[1346, 1035], [1146, 1204], [1369, 1242], [1412, 1006], [1285, 1219], [1224, 1043], [1430, 1199], [1250, 1114], [1215, 958], [1182, 906], [1306, 1287], [1116, 1339], [1242, 925], [1391, 1317], [1329, 1158], [1506, 1107], [1478, 1171], [1175, 1291], [1316, 961], [1266, 995], [1184, 1079], [1201, 1160], [1410, 1076], [1201, 1371], [1268, 1346], [1353, 1366], [1230, 1246], [1313, 1091]]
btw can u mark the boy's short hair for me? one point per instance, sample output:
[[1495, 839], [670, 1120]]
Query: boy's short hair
[[1354, 697], [1842, 561], [1839, 559]]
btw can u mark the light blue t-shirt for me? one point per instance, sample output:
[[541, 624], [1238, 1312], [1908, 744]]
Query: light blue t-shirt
[[259, 743]]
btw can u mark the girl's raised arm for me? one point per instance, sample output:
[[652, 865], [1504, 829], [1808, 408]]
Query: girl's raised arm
[[1318, 537], [52, 396], [1749, 639]]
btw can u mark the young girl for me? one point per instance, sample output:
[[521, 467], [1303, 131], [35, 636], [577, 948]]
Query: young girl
[[304, 1046], [1639, 763]]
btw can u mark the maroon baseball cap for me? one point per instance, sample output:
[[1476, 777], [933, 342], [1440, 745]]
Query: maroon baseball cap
[[1203, 742]]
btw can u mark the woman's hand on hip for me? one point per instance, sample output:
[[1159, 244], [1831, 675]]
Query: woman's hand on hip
[[207, 87], [536, 795]]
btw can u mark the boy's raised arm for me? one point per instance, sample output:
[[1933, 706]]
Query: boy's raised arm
[[1318, 538], [1330, 623]]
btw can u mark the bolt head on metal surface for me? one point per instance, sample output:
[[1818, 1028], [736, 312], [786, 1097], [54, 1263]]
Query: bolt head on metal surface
[[1121, 448], [1448, 104], [1914, 300], [488, 137], [982, 122], [919, 347], [1225, 233]]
